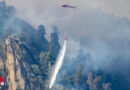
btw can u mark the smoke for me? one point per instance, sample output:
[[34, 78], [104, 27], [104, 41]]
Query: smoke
[[117, 7], [100, 28], [48, 12]]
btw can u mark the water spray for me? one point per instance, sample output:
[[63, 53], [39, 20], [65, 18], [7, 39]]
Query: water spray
[[58, 64]]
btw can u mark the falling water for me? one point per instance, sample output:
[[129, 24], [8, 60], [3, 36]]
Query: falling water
[[58, 64]]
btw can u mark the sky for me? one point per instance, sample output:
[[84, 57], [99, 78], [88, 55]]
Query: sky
[[100, 27], [120, 8]]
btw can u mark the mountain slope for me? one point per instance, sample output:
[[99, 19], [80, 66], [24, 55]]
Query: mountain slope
[[26, 57]]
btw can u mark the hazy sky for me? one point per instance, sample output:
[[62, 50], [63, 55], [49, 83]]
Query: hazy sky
[[99, 26], [50, 12], [117, 7]]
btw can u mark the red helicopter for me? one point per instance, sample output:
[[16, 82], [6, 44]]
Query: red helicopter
[[68, 6]]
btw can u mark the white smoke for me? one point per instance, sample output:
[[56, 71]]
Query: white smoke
[[58, 64]]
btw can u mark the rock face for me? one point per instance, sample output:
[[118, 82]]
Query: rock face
[[12, 65], [25, 54]]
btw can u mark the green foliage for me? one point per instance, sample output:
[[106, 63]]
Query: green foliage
[[45, 61], [35, 68], [42, 56], [61, 88], [49, 70], [68, 79], [98, 79], [45, 64], [36, 57]]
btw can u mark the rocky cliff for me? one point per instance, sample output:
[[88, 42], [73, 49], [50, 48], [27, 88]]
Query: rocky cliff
[[25, 54]]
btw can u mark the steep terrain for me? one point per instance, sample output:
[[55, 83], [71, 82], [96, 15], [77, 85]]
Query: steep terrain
[[26, 56], [81, 76]]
